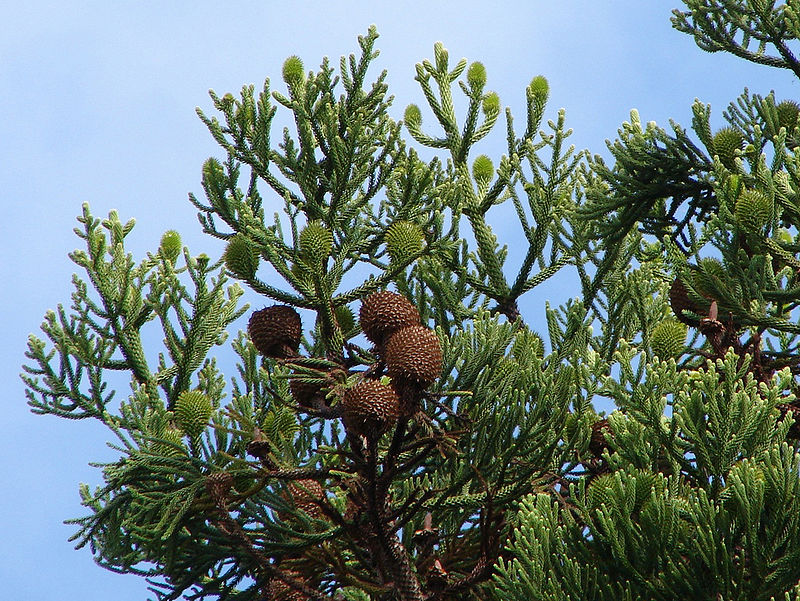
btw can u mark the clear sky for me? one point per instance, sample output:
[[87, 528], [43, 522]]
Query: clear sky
[[98, 105]]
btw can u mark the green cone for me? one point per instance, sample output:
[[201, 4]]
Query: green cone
[[241, 259], [726, 142], [668, 339], [193, 410], [403, 241]]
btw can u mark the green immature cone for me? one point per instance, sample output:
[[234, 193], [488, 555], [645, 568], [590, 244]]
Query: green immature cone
[[726, 142], [170, 246], [293, 70], [174, 436], [316, 243], [413, 116], [668, 339], [753, 211], [491, 104], [193, 410], [403, 241], [482, 169], [241, 258], [476, 76], [788, 111], [540, 88]]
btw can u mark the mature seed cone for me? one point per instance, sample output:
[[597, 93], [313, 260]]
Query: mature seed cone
[[192, 411], [370, 407], [668, 339], [726, 141], [383, 313], [316, 243], [303, 392], [597, 442], [679, 301], [241, 258], [403, 241], [219, 484], [276, 331], [261, 449], [304, 494], [277, 590], [414, 355]]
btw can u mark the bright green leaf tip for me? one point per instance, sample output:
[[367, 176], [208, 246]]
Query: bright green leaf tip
[[482, 168], [476, 75], [539, 87], [170, 246], [293, 70], [413, 116], [491, 103]]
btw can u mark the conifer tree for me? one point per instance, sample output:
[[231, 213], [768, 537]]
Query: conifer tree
[[396, 429]]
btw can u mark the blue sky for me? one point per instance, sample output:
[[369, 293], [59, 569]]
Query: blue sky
[[98, 101]]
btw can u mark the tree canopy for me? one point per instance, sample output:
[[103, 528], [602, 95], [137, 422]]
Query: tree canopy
[[395, 428]]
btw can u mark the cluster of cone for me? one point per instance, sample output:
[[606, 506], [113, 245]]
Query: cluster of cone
[[413, 358], [411, 353]]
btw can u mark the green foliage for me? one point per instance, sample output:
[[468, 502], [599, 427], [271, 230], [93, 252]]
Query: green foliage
[[498, 479]]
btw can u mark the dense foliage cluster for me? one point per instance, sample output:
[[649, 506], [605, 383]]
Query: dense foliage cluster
[[396, 429]]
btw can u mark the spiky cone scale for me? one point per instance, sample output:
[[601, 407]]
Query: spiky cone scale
[[753, 210], [383, 313], [726, 142], [668, 339], [414, 355], [403, 241], [192, 411], [316, 243], [241, 258], [410, 394], [276, 331], [370, 408]]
